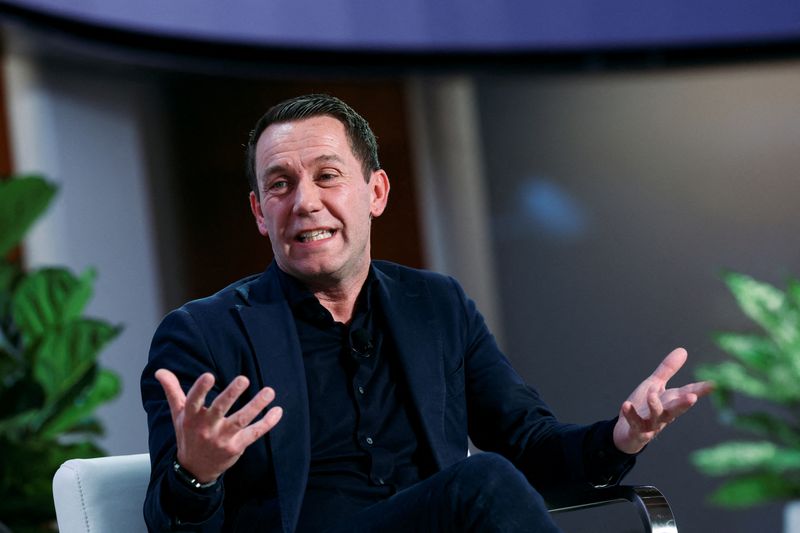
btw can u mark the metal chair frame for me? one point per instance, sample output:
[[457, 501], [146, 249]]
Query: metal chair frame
[[651, 505]]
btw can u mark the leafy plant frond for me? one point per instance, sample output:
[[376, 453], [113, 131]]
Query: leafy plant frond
[[50, 297], [768, 426], [737, 457], [735, 377], [793, 290], [28, 476], [77, 415], [768, 307], [50, 383], [753, 351], [766, 367], [64, 354], [755, 489], [22, 201]]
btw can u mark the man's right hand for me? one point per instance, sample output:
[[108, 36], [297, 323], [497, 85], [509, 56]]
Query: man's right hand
[[209, 442]]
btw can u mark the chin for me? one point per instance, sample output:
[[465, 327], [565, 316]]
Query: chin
[[314, 272]]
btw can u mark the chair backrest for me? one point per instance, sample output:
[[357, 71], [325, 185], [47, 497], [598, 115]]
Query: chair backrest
[[102, 495]]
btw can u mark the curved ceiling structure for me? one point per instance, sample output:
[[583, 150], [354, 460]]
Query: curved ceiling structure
[[415, 26]]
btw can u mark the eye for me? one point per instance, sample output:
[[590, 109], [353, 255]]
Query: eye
[[327, 176], [277, 186]]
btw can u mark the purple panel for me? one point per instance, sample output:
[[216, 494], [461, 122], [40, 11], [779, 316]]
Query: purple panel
[[439, 25]]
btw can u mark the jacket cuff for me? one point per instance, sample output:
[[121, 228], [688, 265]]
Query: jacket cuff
[[191, 506], [605, 464]]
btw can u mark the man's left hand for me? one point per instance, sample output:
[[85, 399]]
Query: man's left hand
[[652, 406]]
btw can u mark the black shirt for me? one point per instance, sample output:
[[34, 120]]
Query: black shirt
[[365, 436]]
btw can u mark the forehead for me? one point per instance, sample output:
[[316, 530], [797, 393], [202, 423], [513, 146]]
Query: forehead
[[302, 138]]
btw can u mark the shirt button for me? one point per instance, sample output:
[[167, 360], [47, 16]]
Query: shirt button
[[369, 441], [361, 389], [380, 481]]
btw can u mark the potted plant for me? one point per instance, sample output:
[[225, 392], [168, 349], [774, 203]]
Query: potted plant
[[50, 382], [764, 374]]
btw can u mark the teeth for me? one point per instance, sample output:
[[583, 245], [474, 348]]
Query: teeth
[[315, 235]]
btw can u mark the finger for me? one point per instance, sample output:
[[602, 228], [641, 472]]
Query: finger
[[196, 397], [253, 432], [680, 405], [656, 408], [222, 403], [172, 390], [246, 414], [701, 388], [670, 365], [632, 416]]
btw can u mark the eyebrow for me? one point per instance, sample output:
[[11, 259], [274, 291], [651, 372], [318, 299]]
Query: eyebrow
[[279, 168], [328, 158]]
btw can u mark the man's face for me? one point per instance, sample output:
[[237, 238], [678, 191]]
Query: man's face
[[315, 204]]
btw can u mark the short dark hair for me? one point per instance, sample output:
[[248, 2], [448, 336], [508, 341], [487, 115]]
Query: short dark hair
[[362, 141]]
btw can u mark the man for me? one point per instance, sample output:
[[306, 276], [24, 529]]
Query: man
[[381, 373]]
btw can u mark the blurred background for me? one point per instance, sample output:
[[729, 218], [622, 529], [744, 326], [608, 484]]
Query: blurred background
[[586, 170]]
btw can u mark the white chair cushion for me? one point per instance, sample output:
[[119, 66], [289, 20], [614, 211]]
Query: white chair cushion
[[102, 495]]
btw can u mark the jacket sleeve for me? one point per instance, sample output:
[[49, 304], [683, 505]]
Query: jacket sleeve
[[178, 345], [507, 416]]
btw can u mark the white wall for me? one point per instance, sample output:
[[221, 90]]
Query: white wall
[[453, 192], [86, 131]]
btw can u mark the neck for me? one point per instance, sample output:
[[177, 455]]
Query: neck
[[340, 299]]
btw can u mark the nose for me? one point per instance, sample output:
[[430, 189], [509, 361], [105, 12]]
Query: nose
[[306, 197]]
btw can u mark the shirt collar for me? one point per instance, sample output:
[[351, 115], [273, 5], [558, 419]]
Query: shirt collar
[[305, 305]]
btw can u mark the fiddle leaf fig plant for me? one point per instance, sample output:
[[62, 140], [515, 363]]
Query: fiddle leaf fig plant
[[764, 372], [50, 381]]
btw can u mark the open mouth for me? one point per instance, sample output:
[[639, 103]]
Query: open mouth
[[315, 235]]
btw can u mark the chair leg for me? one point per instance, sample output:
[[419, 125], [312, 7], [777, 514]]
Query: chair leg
[[654, 509], [650, 503]]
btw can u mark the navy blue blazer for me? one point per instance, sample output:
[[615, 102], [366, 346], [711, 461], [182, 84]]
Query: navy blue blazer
[[460, 383]]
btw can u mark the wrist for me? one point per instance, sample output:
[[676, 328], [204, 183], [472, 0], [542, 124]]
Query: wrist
[[625, 441], [189, 479]]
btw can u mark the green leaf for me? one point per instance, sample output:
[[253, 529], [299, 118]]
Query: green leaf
[[27, 476], [754, 351], [755, 489], [22, 201], [784, 380], [63, 355], [738, 457], [105, 387], [8, 367], [767, 306], [793, 291], [87, 427], [768, 426], [760, 301], [8, 274], [50, 297], [734, 377], [19, 425], [22, 395]]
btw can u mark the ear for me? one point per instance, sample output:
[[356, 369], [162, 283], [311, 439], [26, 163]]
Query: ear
[[379, 191], [255, 208]]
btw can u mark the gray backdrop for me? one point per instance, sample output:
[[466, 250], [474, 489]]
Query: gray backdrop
[[616, 199]]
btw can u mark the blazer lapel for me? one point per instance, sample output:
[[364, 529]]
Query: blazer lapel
[[273, 336], [409, 312]]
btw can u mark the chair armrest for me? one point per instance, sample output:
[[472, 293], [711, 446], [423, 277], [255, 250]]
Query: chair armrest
[[652, 506]]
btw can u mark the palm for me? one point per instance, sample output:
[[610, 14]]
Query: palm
[[651, 406]]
